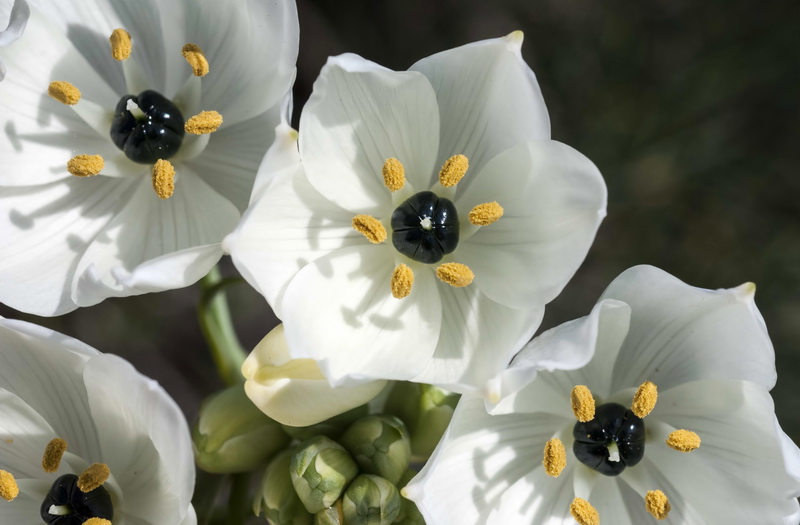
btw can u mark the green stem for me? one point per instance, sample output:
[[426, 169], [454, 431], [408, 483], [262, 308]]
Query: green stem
[[217, 325], [239, 499], [206, 489]]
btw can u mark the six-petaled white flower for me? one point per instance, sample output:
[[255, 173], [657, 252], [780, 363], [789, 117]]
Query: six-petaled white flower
[[83, 435], [674, 421], [424, 221], [118, 182]]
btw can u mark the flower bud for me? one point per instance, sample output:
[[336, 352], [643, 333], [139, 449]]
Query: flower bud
[[277, 498], [333, 515], [425, 409], [320, 470], [294, 391], [370, 500], [232, 435], [380, 446]]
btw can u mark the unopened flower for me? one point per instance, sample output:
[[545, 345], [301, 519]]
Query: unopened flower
[[132, 133], [83, 435], [425, 220], [671, 420]]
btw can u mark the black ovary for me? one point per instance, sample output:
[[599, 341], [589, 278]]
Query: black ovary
[[412, 240], [612, 422], [156, 136], [65, 491]]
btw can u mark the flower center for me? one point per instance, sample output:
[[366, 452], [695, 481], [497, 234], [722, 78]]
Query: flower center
[[67, 504], [425, 227], [611, 441], [147, 127]]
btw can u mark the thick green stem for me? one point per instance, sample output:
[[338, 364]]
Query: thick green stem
[[215, 321]]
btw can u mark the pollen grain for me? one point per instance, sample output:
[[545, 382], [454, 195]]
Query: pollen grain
[[555, 457], [683, 440], [582, 403], [583, 512], [455, 274], [53, 453], [120, 44], [657, 504], [203, 123], [93, 477], [402, 281], [96, 521], [369, 227], [453, 170], [196, 59], [644, 400], [85, 165], [163, 179], [394, 174], [485, 214], [8, 486], [64, 92]]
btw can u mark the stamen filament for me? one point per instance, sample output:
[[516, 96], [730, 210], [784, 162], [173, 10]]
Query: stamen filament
[[555, 457], [85, 165], [583, 405], [8, 486], [203, 123], [583, 512], [163, 179], [196, 59], [369, 227], [402, 281], [683, 440], [120, 41], [455, 274], [644, 400], [657, 504], [453, 170], [485, 214], [93, 477], [394, 174], [53, 453], [64, 92]]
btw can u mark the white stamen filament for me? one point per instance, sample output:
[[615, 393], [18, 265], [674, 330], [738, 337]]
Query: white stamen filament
[[135, 110], [613, 452], [60, 510], [426, 223]]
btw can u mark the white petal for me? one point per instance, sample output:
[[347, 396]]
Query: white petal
[[616, 502], [46, 230], [15, 18], [680, 333], [24, 510], [150, 242], [478, 339], [289, 226], [281, 155], [537, 498], [340, 311], [44, 369], [489, 100], [554, 199], [144, 440], [24, 434], [359, 115]]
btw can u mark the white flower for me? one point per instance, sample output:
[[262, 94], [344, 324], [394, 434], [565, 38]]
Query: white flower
[[293, 391], [416, 301], [56, 391], [711, 361], [72, 239], [16, 16]]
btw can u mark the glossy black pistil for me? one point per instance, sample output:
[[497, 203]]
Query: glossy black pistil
[[612, 423], [425, 227], [81, 505], [156, 135]]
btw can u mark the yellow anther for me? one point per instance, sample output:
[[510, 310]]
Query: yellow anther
[[93, 477], [455, 274], [583, 512], [120, 44], [485, 214], [402, 281], [203, 123], [683, 440], [657, 504], [85, 165], [195, 57], [163, 179], [394, 174], [582, 403], [64, 92], [555, 457], [369, 227], [8, 486], [644, 400], [53, 453], [96, 521], [453, 170]]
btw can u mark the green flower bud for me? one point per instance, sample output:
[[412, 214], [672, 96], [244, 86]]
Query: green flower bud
[[380, 446], [277, 498], [233, 435], [321, 469], [409, 513], [370, 500], [331, 428], [331, 516], [426, 411]]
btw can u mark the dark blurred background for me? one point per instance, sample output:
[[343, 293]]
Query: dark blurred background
[[689, 109]]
